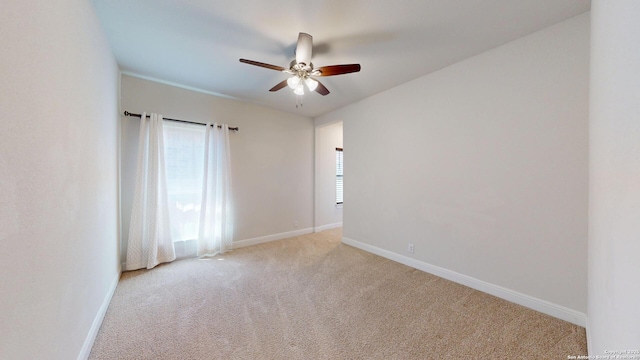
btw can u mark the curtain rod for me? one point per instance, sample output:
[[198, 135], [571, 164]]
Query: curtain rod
[[126, 113]]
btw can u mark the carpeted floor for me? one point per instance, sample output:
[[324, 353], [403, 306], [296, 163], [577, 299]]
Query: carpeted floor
[[312, 297]]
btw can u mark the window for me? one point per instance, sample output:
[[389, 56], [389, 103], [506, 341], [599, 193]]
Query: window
[[190, 197], [184, 158], [339, 176]]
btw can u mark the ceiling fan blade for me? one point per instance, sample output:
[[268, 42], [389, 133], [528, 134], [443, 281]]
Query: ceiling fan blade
[[304, 48], [279, 86], [256, 63], [338, 69], [321, 89]]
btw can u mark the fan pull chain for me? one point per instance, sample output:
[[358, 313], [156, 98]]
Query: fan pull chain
[[298, 101]]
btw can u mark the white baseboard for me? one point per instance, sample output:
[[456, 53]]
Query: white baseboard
[[97, 321], [589, 350], [327, 227], [274, 237], [543, 306]]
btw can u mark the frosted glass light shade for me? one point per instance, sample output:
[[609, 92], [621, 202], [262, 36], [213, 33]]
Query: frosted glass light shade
[[311, 84], [293, 82], [299, 90]]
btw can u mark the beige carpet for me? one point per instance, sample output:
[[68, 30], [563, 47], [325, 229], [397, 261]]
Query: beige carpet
[[312, 297]]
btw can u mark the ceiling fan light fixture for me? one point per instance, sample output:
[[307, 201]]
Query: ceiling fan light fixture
[[293, 81], [299, 90], [311, 84]]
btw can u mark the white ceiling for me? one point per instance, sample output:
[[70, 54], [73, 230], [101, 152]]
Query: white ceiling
[[197, 43]]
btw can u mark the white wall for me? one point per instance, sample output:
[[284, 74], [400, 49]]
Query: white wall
[[328, 138], [483, 166], [614, 178], [58, 178], [271, 156]]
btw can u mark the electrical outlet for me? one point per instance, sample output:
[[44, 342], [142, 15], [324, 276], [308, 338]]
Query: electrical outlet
[[410, 248], [295, 224]]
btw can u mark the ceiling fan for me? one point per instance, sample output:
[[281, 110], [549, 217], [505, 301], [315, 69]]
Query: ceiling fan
[[302, 71]]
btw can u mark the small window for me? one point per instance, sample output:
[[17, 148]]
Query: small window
[[339, 176]]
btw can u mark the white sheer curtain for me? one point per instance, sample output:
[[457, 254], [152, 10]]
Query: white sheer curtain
[[149, 233], [215, 230]]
